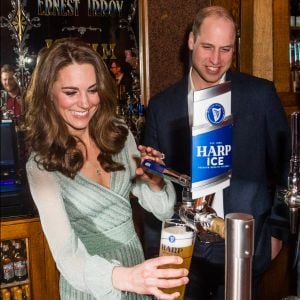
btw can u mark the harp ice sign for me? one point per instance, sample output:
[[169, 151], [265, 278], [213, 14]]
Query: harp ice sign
[[211, 140]]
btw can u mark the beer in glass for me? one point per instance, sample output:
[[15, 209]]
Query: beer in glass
[[177, 239]]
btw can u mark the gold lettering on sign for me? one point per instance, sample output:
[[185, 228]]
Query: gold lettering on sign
[[58, 7], [108, 51], [105, 7]]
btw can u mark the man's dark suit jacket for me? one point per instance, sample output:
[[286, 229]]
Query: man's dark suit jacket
[[260, 153]]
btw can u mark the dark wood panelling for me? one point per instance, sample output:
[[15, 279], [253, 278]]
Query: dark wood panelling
[[290, 102], [169, 21]]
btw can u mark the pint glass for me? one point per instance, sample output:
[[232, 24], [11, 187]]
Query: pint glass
[[177, 239]]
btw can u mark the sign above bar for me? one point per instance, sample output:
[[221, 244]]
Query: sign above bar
[[110, 26]]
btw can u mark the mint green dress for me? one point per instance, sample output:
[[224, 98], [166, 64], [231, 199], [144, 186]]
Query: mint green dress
[[90, 228]]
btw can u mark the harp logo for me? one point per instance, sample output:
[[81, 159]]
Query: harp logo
[[215, 113]]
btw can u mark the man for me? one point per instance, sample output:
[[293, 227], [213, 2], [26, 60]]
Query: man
[[10, 85], [260, 150], [120, 72]]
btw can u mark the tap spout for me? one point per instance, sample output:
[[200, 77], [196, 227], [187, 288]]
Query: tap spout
[[198, 214], [203, 221]]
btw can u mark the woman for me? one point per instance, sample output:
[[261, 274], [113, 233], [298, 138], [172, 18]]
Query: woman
[[81, 170]]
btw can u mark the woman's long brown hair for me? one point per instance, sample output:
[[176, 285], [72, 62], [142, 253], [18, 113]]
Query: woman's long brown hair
[[46, 132]]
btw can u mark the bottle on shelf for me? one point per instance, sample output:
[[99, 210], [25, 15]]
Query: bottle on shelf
[[18, 295], [20, 261], [26, 292], [7, 263], [3, 291], [13, 291], [6, 295], [1, 269], [295, 64]]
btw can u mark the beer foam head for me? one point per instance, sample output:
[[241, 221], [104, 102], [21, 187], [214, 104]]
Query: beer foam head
[[177, 236]]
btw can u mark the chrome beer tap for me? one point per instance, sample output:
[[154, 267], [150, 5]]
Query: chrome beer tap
[[197, 213], [292, 194]]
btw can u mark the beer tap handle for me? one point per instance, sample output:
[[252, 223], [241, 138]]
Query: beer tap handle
[[292, 196], [196, 214], [155, 168]]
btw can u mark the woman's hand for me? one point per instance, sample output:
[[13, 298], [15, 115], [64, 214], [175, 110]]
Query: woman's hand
[[148, 278], [155, 183]]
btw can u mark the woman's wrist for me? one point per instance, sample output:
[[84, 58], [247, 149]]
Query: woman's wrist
[[121, 278]]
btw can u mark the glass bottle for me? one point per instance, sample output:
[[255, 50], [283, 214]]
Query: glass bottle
[[3, 291], [1, 269], [7, 263], [18, 295], [13, 291], [26, 292], [6, 295], [20, 262]]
